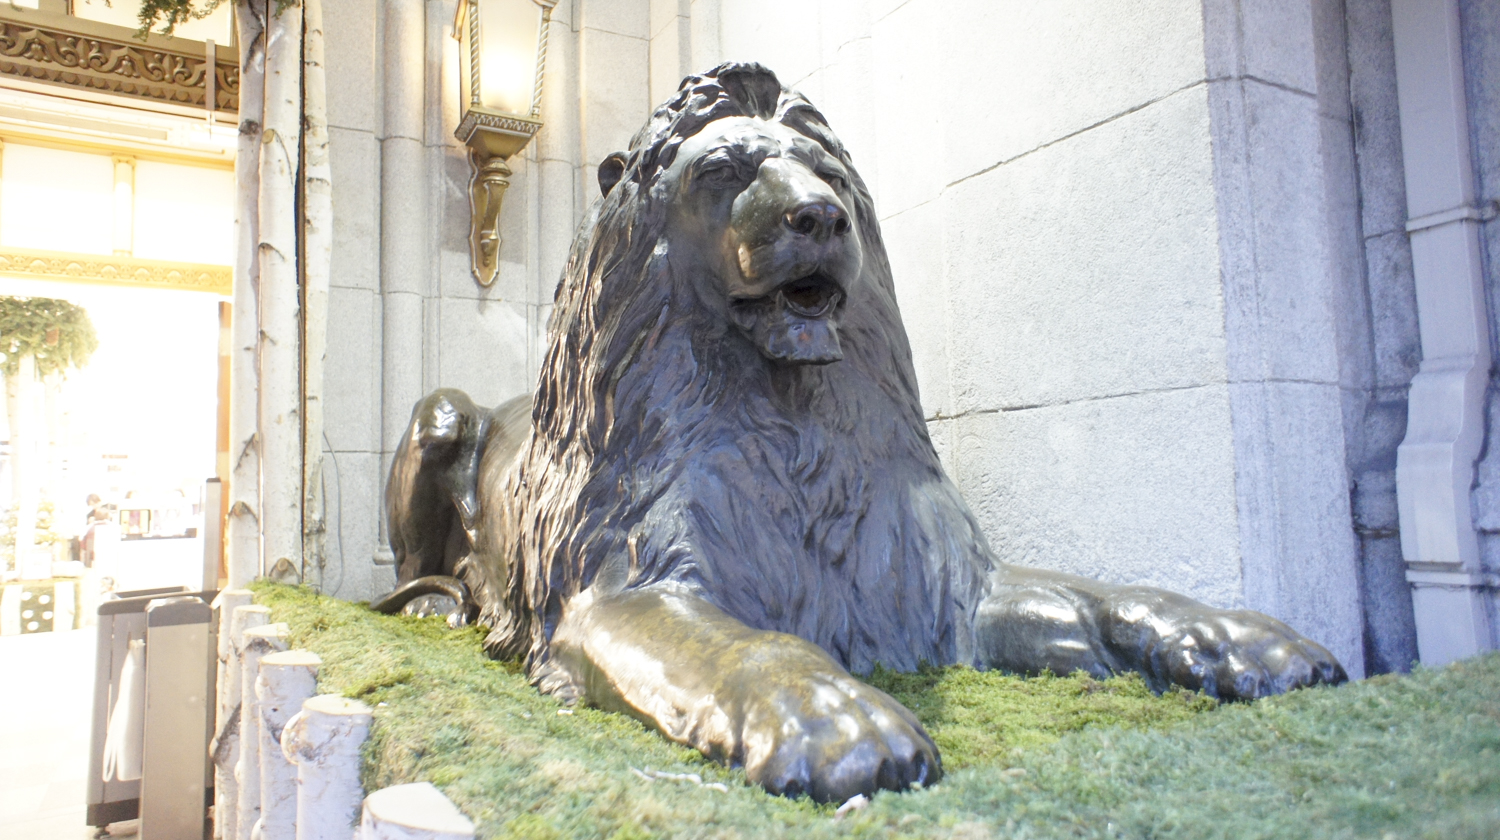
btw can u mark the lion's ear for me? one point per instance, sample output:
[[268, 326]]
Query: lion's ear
[[611, 169]]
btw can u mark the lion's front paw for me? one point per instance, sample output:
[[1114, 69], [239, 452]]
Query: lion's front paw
[[1241, 655], [830, 736]]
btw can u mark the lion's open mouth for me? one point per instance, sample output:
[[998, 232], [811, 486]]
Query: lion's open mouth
[[797, 323], [813, 296]]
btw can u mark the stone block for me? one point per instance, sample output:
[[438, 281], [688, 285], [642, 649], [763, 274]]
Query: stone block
[[557, 221], [1089, 268], [558, 138], [1375, 501], [1280, 43], [781, 34], [1280, 268], [351, 371], [913, 241], [707, 49], [1393, 309], [613, 78], [671, 49], [1480, 20], [631, 18], [403, 63], [349, 54], [444, 85], [404, 203], [541, 319], [852, 104], [354, 161], [514, 281], [1137, 489], [1390, 626], [664, 14], [483, 349], [356, 488], [879, 9], [1349, 305], [432, 338], [907, 116], [1372, 94], [1027, 92], [1486, 493], [402, 356], [840, 25], [1297, 545], [942, 432]]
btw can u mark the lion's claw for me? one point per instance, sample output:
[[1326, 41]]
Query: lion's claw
[[1242, 655], [834, 737]]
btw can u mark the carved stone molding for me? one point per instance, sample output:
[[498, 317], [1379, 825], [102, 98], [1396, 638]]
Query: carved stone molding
[[114, 66], [29, 264]]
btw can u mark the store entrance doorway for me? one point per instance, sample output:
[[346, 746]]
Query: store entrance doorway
[[121, 448]]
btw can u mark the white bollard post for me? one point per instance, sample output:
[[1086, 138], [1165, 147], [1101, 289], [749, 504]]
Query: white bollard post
[[413, 812], [323, 740], [286, 680], [225, 748], [259, 641]]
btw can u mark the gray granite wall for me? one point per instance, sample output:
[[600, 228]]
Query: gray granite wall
[[1481, 42], [1386, 357]]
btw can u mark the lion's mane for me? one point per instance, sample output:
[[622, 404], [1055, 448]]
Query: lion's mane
[[802, 499]]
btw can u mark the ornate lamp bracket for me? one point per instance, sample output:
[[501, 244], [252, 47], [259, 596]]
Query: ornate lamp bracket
[[491, 138]]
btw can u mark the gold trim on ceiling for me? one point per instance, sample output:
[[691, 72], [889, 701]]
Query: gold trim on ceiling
[[84, 54], [29, 264]]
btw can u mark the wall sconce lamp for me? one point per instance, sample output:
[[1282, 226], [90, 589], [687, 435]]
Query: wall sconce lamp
[[502, 49]]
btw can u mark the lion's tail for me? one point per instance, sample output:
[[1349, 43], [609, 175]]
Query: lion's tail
[[451, 587]]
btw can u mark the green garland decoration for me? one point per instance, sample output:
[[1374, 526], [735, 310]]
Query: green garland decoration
[[57, 333], [171, 14]]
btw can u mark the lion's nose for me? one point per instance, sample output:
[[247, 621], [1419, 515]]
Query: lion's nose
[[817, 219]]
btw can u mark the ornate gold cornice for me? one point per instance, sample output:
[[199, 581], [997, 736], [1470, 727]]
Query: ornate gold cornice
[[28, 264], [113, 64]]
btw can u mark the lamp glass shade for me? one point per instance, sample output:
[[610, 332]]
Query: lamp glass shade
[[503, 36]]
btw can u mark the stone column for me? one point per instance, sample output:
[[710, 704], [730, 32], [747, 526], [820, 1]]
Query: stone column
[[1284, 186], [286, 680], [404, 266], [324, 740]]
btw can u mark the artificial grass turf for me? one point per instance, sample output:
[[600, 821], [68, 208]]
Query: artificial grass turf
[[1415, 756]]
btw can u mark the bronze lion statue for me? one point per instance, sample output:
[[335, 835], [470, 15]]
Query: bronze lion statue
[[722, 500]]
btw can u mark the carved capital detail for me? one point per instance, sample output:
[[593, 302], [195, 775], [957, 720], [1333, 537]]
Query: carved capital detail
[[112, 66], [26, 263]]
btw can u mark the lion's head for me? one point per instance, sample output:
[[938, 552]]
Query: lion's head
[[730, 289], [759, 218]]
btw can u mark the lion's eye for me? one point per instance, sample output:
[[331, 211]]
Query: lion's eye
[[720, 176], [835, 180]]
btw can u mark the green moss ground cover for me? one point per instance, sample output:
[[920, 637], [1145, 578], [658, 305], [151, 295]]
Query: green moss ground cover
[[1397, 757]]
